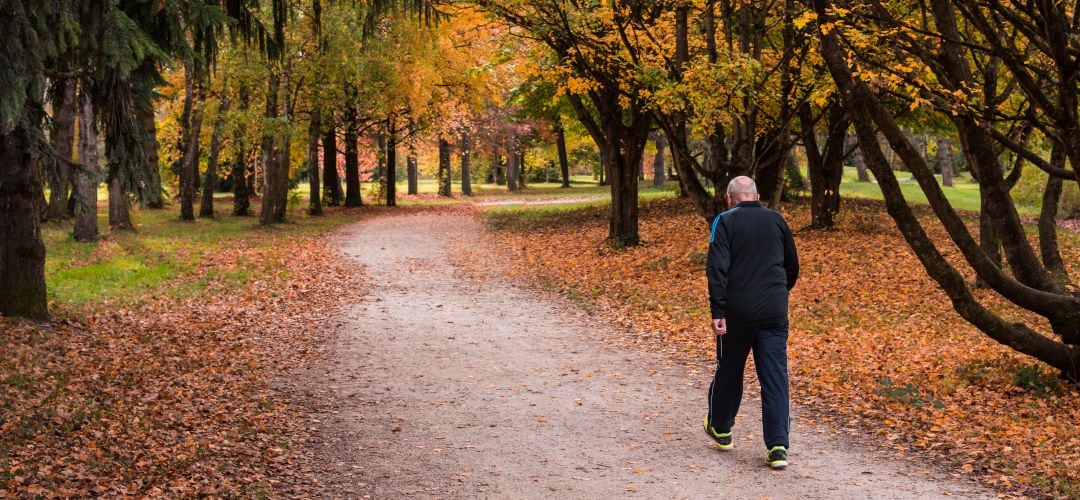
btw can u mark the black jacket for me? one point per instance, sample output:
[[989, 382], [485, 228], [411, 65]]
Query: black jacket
[[752, 264]]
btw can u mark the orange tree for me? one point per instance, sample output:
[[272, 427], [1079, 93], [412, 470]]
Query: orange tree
[[958, 59], [596, 73]]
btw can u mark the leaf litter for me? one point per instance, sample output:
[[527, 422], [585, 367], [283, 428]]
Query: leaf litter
[[170, 397]]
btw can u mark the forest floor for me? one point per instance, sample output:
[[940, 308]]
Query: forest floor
[[449, 380]]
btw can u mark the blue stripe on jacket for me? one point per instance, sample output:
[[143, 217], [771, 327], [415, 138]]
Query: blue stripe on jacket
[[712, 233]]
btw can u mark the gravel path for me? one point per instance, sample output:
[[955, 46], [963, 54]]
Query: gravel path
[[444, 386]]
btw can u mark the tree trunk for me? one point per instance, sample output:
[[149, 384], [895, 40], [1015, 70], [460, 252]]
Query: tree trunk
[[275, 160], [776, 192], [499, 172], [1048, 243], [945, 161], [411, 173], [380, 158], [314, 132], [284, 154], [119, 213], [658, 161], [869, 115], [466, 159], [560, 145], [391, 166], [352, 165], [641, 170], [331, 178], [521, 169], [22, 253], [88, 177], [1048, 240], [315, 125], [621, 165], [63, 141], [210, 181], [240, 182], [511, 169], [859, 161], [825, 165], [189, 160], [988, 241], [153, 194], [444, 168]]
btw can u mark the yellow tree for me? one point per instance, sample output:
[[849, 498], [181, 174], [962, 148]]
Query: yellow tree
[[591, 66]]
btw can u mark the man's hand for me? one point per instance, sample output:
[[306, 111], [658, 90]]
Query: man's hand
[[719, 326]]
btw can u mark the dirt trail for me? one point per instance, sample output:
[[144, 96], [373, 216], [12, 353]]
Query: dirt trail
[[443, 386]]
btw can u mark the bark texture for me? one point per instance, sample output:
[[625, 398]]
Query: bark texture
[[391, 168], [658, 161], [331, 180], [119, 207], [825, 162], [444, 168], [560, 146], [410, 171], [466, 164], [352, 165], [314, 132], [192, 118], [63, 142], [240, 182], [945, 161], [210, 180], [512, 169], [88, 176], [153, 196], [22, 253], [275, 194]]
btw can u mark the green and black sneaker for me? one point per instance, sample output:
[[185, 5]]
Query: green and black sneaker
[[723, 439], [777, 457]]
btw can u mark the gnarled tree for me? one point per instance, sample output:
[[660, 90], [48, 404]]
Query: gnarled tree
[[937, 48]]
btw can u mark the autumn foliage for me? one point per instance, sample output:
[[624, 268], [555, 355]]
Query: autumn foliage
[[874, 344]]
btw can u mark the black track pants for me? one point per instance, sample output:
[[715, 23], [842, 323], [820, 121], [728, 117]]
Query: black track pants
[[769, 344]]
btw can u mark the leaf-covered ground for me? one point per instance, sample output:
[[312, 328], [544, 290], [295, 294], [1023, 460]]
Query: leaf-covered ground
[[874, 345], [169, 391]]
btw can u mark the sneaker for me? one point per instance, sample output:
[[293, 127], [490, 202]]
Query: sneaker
[[777, 457], [723, 439]]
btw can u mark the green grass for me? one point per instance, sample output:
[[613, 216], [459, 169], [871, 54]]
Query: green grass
[[964, 195], [124, 266], [528, 211]]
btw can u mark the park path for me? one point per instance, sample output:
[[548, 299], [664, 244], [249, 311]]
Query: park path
[[441, 385]]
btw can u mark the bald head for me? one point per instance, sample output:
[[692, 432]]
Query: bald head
[[741, 188]]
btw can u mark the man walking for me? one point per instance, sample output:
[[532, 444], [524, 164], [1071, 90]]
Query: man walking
[[751, 266]]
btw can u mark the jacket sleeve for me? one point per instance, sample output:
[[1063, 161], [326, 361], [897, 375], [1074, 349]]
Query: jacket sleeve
[[716, 268], [791, 257]]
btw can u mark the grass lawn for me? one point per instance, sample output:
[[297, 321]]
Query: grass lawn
[[964, 195], [122, 265]]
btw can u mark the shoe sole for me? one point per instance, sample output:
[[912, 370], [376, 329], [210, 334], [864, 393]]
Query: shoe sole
[[723, 447], [779, 464]]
